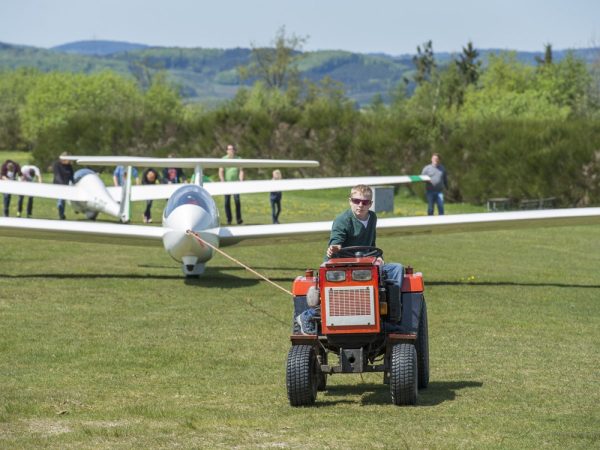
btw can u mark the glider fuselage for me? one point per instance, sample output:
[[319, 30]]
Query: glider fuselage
[[191, 207]]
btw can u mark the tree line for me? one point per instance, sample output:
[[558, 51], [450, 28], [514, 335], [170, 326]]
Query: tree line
[[504, 130]]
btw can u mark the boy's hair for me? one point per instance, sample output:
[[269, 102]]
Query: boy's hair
[[363, 190]]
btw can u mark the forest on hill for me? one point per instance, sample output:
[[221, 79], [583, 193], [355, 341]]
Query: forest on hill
[[210, 76]]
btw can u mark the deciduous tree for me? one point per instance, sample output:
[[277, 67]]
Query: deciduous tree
[[276, 65]]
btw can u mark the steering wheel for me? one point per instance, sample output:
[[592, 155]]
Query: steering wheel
[[358, 251]]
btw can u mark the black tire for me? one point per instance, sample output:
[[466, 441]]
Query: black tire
[[423, 349], [404, 374], [301, 375]]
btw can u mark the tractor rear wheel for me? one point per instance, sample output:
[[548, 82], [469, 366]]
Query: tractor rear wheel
[[403, 374], [423, 349], [302, 375]]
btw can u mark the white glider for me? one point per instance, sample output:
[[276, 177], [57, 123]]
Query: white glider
[[164, 191], [192, 208], [90, 196]]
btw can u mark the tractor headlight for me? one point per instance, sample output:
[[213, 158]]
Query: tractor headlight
[[336, 275], [361, 275]]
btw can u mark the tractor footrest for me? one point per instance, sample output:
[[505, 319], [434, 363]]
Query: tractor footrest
[[395, 338], [304, 339]]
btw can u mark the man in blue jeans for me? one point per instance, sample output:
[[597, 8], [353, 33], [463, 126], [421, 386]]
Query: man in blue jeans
[[434, 189], [354, 227], [63, 174]]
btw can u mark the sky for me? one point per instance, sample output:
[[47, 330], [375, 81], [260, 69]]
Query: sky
[[369, 26]]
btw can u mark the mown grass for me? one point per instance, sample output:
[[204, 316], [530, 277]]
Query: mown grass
[[109, 347]]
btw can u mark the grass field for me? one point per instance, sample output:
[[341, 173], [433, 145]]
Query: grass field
[[109, 347]]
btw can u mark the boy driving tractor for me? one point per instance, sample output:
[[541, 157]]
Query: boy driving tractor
[[357, 314], [354, 227]]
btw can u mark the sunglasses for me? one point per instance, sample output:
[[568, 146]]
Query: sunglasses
[[358, 201]]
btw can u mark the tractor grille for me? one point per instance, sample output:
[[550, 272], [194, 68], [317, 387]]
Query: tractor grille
[[350, 302], [350, 306]]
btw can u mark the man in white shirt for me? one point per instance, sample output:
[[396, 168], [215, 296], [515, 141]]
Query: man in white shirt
[[29, 173]]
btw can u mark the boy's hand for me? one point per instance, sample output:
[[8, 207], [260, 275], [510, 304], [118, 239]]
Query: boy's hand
[[332, 249]]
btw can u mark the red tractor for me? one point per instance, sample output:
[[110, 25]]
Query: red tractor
[[365, 324]]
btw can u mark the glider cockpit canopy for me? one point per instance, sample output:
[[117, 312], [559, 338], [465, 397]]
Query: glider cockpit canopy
[[191, 195]]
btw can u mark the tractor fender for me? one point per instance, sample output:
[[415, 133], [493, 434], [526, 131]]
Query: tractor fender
[[300, 305], [412, 305]]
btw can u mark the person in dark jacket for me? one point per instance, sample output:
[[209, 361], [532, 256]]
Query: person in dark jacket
[[275, 199], [150, 176], [63, 174], [10, 171], [173, 175]]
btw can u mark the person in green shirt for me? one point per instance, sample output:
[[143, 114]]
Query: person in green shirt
[[354, 227], [232, 174]]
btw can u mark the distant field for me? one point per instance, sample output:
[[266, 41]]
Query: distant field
[[20, 157], [109, 347]]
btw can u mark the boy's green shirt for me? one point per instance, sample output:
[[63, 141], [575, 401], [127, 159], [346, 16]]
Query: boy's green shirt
[[348, 231]]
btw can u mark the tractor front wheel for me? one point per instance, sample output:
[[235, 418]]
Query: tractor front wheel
[[403, 374], [302, 375]]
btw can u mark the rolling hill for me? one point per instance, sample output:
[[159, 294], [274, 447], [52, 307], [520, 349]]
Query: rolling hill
[[210, 75]]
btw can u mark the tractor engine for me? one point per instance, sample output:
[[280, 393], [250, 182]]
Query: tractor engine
[[350, 291]]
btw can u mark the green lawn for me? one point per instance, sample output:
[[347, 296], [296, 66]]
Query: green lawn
[[109, 347]]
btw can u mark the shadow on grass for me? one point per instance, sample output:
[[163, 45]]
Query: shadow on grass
[[300, 270], [379, 394], [211, 279], [509, 283], [231, 268]]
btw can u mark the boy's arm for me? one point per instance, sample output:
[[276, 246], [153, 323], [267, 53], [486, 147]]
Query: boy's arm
[[337, 237]]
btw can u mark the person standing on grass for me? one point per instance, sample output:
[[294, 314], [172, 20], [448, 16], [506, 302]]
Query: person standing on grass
[[30, 174], [173, 175], [275, 198], [150, 176], [120, 175], [10, 170], [434, 189], [232, 174], [63, 174]]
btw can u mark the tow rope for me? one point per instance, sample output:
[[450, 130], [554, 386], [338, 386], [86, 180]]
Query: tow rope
[[208, 244]]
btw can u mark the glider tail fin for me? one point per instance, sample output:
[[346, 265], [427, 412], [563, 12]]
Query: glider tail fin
[[125, 211]]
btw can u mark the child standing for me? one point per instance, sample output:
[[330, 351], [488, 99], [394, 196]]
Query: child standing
[[276, 199]]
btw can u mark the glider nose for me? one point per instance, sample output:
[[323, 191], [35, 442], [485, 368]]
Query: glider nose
[[178, 243]]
